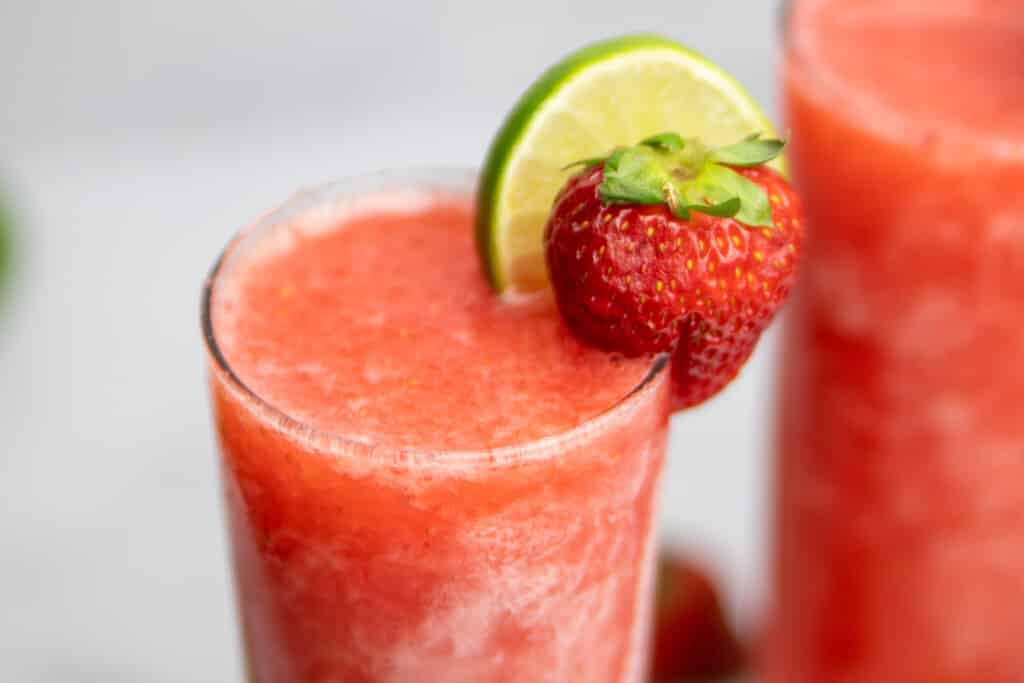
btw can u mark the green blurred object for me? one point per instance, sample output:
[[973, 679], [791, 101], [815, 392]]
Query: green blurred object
[[5, 246]]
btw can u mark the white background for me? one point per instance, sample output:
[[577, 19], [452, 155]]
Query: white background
[[135, 137]]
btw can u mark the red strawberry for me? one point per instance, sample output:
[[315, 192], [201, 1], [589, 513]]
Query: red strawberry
[[668, 245], [692, 640]]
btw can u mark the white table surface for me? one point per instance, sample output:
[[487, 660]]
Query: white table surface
[[134, 139]]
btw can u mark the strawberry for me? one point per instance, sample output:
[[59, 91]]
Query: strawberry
[[671, 246], [692, 640]]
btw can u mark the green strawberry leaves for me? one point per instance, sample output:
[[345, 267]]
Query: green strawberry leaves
[[585, 163], [718, 184], [752, 151], [687, 176], [670, 142], [635, 175]]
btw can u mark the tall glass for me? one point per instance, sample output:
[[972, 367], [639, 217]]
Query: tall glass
[[358, 562], [900, 480]]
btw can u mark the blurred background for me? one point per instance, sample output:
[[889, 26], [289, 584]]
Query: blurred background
[[135, 138]]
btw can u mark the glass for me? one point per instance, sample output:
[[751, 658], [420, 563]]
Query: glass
[[358, 562], [899, 502]]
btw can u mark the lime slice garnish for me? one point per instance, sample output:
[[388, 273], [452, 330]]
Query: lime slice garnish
[[613, 93]]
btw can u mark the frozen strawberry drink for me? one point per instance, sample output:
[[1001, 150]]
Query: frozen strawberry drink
[[424, 482], [900, 530]]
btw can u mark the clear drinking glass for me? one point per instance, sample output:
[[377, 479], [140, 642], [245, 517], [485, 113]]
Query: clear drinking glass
[[900, 504], [361, 562]]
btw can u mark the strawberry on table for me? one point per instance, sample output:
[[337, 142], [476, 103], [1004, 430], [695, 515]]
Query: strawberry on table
[[692, 639], [672, 246]]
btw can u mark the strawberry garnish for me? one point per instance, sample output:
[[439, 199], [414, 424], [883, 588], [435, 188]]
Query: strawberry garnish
[[692, 639], [672, 246]]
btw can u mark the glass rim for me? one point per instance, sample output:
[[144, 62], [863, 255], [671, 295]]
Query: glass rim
[[452, 179], [870, 111]]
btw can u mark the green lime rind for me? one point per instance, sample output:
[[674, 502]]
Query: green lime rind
[[514, 126], [529, 108]]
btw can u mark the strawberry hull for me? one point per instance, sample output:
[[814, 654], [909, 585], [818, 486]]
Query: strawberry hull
[[900, 510]]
